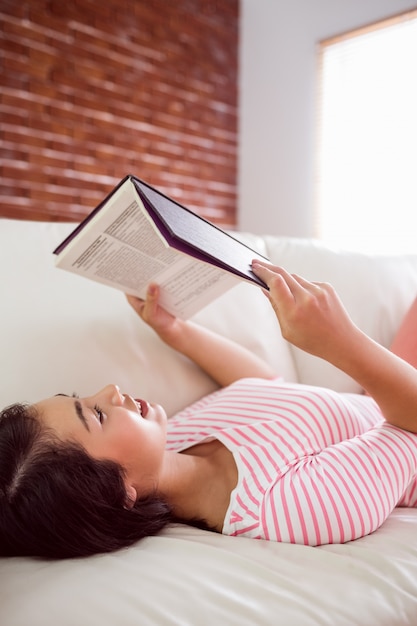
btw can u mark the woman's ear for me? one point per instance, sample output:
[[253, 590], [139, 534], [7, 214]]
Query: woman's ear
[[131, 496]]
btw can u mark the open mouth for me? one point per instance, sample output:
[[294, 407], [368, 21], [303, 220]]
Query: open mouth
[[142, 406]]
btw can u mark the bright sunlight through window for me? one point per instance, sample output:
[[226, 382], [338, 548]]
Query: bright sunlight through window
[[367, 148]]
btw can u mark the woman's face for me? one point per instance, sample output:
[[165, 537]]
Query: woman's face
[[110, 425]]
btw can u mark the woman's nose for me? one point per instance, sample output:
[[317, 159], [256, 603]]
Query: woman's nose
[[112, 394]]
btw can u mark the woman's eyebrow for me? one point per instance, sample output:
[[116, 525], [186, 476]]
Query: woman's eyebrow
[[78, 409], [80, 414]]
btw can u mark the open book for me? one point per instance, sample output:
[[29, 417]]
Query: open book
[[137, 235]]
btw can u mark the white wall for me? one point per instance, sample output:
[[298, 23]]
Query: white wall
[[278, 41]]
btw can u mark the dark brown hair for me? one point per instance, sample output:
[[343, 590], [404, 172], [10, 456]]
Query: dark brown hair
[[58, 502]]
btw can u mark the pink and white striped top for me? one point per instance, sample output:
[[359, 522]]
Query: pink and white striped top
[[315, 466]]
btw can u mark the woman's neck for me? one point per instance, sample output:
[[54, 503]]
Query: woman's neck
[[198, 482]]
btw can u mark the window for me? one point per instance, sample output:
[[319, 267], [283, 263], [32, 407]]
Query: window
[[367, 138]]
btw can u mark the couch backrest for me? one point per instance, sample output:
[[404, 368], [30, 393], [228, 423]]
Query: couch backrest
[[61, 333]]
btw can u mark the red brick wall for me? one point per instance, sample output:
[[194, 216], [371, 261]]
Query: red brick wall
[[91, 91]]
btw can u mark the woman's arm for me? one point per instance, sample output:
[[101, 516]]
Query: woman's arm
[[222, 359], [404, 343], [313, 318]]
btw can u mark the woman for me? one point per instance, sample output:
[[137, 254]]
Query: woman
[[257, 458]]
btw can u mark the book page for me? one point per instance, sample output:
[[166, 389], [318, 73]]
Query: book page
[[122, 248]]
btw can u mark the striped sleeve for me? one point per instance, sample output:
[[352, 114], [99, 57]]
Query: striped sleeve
[[342, 493]]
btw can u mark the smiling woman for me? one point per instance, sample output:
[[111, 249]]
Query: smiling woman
[[113, 426], [53, 484], [257, 458]]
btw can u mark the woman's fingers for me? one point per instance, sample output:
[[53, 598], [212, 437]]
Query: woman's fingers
[[310, 314], [136, 303], [273, 275], [147, 308]]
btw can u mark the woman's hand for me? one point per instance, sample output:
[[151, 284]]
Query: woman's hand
[[313, 318], [163, 323], [310, 314]]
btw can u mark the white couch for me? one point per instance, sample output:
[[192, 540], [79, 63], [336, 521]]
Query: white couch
[[62, 333]]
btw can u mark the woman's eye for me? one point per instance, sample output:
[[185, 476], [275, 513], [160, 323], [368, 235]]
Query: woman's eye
[[99, 413]]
